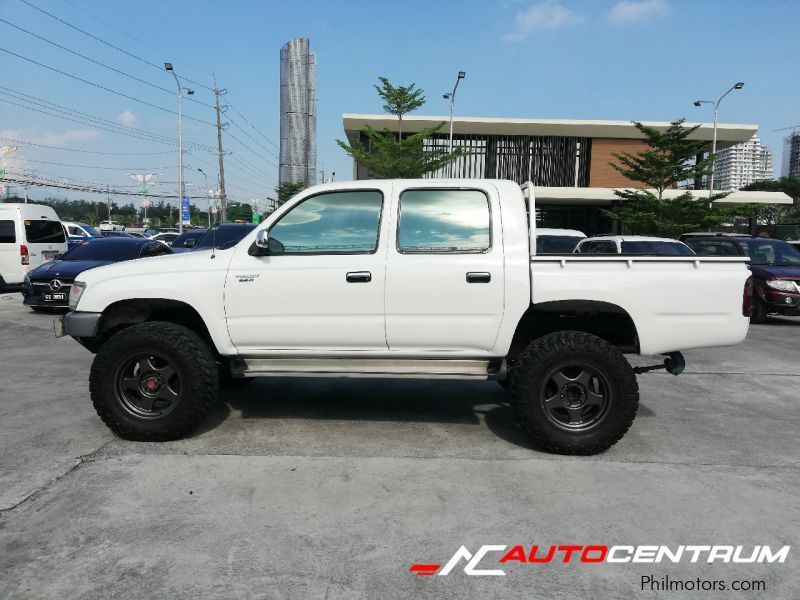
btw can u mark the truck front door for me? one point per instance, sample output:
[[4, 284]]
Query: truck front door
[[445, 276], [321, 287]]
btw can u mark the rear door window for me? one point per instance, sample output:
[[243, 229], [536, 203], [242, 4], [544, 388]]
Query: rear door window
[[8, 233], [44, 232], [440, 220]]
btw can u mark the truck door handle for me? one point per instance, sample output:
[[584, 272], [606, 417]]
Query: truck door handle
[[359, 277], [475, 277]]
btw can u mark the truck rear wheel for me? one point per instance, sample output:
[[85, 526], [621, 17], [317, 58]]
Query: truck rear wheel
[[574, 393], [153, 381]]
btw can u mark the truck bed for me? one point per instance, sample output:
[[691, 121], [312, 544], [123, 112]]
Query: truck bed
[[677, 303]]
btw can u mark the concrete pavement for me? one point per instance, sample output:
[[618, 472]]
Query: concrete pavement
[[333, 488]]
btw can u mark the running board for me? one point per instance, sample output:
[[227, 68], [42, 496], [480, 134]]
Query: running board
[[414, 368]]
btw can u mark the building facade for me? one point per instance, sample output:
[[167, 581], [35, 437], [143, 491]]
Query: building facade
[[569, 161], [791, 155], [298, 150], [742, 164]]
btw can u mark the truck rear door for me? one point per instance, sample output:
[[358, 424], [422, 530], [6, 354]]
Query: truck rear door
[[445, 278]]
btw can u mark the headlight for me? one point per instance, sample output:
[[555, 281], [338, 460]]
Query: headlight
[[782, 285], [27, 279], [75, 293]]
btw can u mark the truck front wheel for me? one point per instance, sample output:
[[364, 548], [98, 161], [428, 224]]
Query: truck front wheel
[[574, 393], [154, 381]]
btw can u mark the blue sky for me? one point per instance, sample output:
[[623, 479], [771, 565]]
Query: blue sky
[[599, 59]]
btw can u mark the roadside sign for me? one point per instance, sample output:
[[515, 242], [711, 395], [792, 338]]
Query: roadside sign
[[185, 210], [213, 210], [256, 218]]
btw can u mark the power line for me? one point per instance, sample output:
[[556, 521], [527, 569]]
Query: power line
[[251, 125], [94, 189], [72, 112], [133, 37], [241, 143], [97, 85], [82, 121], [27, 143], [102, 41], [97, 62], [250, 167], [58, 164], [235, 124]]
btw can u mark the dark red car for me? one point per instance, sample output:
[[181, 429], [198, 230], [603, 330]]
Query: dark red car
[[775, 266]]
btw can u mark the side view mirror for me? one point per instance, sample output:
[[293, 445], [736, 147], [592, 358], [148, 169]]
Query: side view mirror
[[262, 239], [189, 243]]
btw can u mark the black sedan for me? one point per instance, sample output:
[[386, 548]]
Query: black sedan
[[47, 286], [223, 235]]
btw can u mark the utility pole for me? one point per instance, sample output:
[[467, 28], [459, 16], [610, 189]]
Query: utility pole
[[223, 200], [108, 201]]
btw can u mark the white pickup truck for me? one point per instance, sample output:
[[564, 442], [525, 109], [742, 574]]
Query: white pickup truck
[[400, 278]]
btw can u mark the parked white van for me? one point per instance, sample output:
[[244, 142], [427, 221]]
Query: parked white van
[[30, 234]]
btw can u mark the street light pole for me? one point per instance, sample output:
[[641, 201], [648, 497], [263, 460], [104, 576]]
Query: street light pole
[[182, 186], [452, 97], [208, 193], [736, 86]]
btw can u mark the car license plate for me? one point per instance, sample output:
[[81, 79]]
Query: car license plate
[[55, 297], [49, 255]]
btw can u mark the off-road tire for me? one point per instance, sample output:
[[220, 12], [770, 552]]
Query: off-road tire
[[531, 372], [194, 364], [758, 313]]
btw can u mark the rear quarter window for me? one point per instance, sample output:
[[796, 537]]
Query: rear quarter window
[[44, 232], [8, 233]]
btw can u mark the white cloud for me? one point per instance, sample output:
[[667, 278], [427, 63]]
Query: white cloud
[[127, 118], [629, 11], [540, 17], [49, 138]]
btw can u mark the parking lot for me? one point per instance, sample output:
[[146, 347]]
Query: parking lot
[[317, 488]]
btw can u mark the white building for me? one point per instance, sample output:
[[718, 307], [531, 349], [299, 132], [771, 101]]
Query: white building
[[742, 164]]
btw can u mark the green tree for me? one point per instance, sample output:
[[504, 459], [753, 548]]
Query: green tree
[[287, 189], [668, 161], [386, 157], [399, 100], [772, 213]]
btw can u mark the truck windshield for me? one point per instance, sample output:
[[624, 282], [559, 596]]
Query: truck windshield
[[44, 232], [772, 252], [656, 248], [556, 244], [91, 230]]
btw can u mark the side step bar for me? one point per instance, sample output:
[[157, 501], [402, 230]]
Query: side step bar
[[476, 369]]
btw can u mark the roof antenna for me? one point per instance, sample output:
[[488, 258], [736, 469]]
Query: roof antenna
[[214, 240]]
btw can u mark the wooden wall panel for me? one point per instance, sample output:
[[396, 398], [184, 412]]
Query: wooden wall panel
[[601, 173]]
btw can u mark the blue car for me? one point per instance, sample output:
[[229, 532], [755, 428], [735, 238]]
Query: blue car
[[77, 233], [47, 286]]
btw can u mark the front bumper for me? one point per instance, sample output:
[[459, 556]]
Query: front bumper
[[787, 303], [81, 324], [33, 295]]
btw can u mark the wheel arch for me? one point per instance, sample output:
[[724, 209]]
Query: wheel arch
[[608, 321], [124, 313]]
